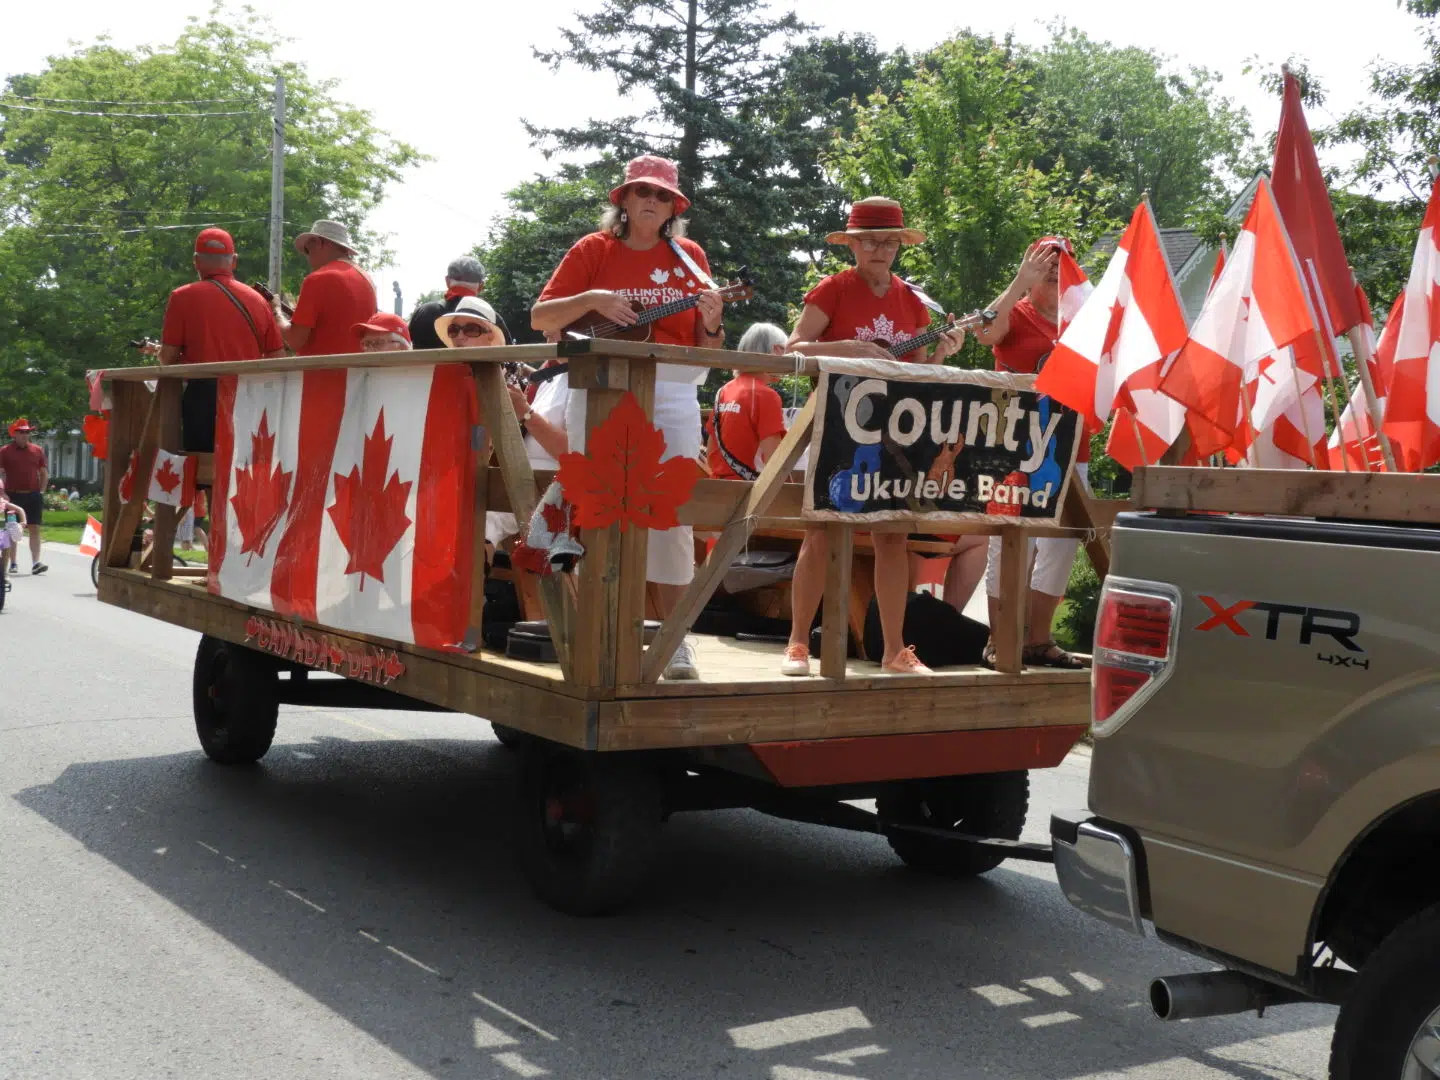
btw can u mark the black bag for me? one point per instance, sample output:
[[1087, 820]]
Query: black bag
[[941, 635]]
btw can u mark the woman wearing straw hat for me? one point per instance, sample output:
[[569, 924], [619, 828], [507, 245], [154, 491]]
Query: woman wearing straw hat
[[639, 254], [856, 313]]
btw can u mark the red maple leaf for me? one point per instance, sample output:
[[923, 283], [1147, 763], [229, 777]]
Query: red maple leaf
[[370, 519], [261, 494], [127, 480], [554, 517], [622, 477], [167, 477], [1010, 509], [97, 434]]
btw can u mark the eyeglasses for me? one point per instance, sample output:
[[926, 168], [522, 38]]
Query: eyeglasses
[[870, 244], [645, 191], [454, 330]]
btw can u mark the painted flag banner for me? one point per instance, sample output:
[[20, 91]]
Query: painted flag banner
[[922, 442], [346, 498]]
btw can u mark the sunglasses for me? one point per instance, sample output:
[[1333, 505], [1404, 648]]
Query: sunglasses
[[645, 191], [454, 330]]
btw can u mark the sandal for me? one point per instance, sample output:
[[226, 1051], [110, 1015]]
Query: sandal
[[1048, 654], [988, 657]]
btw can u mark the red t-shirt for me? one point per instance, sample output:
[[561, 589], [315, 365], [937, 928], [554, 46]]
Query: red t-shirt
[[857, 314], [332, 300], [21, 466], [747, 412], [1030, 337], [652, 277], [201, 321]]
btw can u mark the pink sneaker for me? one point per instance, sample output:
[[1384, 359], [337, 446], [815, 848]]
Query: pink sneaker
[[796, 662], [906, 663]]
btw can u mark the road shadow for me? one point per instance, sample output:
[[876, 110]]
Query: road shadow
[[377, 876]]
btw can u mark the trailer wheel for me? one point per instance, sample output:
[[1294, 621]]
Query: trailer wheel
[[237, 702], [992, 805], [508, 737], [1389, 1025], [588, 826]]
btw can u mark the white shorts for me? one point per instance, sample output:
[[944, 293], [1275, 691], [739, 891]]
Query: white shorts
[[499, 526], [1054, 556], [669, 553]]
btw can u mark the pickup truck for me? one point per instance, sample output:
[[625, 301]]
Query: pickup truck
[[1265, 781]]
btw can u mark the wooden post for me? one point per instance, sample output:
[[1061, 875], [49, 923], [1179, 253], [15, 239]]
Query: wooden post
[[474, 639], [1076, 514], [835, 611], [598, 584], [634, 548], [734, 534], [1361, 344], [127, 419], [121, 528], [167, 406], [1008, 633], [504, 429]]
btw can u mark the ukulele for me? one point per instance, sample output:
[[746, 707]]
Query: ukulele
[[286, 309], [972, 321], [594, 325]]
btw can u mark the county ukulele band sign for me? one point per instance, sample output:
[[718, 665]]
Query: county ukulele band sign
[[897, 441]]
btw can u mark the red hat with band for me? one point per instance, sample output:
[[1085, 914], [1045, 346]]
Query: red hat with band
[[877, 216], [19, 426], [1057, 241], [384, 322], [214, 242], [657, 172]]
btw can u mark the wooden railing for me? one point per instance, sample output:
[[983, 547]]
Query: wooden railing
[[597, 615]]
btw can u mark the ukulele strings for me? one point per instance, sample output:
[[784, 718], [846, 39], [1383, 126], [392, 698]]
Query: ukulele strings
[[649, 315]]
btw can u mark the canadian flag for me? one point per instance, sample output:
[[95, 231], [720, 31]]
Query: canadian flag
[[172, 479], [1257, 307], [346, 498], [1412, 409], [1285, 426], [1355, 437], [90, 538], [1075, 288], [1109, 357]]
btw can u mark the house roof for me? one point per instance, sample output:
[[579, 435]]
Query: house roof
[[1180, 245]]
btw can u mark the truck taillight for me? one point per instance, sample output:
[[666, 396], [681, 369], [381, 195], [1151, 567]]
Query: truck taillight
[[1135, 633]]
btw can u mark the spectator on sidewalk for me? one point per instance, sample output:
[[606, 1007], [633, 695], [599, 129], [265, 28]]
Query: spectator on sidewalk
[[25, 473]]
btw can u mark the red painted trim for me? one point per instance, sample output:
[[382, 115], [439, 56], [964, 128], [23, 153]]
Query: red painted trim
[[906, 757]]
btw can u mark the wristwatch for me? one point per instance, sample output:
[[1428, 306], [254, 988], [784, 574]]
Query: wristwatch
[[529, 412]]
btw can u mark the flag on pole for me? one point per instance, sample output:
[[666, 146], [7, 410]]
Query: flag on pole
[[1412, 411], [90, 538], [1355, 436], [1257, 306], [1074, 289], [1304, 202], [1285, 425], [172, 479], [1109, 357]]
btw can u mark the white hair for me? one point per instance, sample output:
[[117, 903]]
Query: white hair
[[762, 337]]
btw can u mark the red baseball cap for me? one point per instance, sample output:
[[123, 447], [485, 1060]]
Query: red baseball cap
[[383, 322], [214, 242]]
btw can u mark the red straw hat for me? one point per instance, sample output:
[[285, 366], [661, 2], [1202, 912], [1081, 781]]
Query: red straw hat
[[657, 172], [214, 242], [383, 322], [877, 216]]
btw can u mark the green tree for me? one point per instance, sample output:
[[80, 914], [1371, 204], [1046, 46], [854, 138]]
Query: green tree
[[955, 147], [1120, 114], [98, 213]]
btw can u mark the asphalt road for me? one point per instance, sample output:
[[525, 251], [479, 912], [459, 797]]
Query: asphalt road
[[350, 909]]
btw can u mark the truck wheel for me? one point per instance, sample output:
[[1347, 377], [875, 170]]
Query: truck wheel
[[1389, 1026], [508, 737], [237, 702], [991, 805], [588, 826]]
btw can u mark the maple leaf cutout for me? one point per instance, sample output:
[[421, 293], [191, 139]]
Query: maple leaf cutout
[[261, 494], [97, 434], [370, 519], [622, 478], [167, 477]]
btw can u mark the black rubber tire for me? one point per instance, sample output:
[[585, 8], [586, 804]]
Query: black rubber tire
[[588, 826], [4, 584], [95, 571], [236, 701], [1397, 989], [508, 737], [990, 805]]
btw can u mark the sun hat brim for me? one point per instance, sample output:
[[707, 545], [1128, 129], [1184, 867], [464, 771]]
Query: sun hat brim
[[907, 236], [304, 236], [681, 202]]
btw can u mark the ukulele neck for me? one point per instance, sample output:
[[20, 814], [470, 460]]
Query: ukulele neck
[[919, 341]]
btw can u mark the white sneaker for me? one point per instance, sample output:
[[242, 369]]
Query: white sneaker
[[796, 661], [682, 664]]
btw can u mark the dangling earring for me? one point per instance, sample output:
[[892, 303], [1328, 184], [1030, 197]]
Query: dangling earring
[[624, 218]]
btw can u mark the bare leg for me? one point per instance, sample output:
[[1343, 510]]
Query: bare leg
[[1042, 617], [966, 570], [892, 580], [667, 597], [807, 585], [34, 531]]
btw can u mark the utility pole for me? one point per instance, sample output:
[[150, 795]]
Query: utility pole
[[277, 186], [399, 300]]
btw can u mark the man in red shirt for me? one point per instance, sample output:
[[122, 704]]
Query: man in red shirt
[[335, 296], [213, 320], [26, 473], [1021, 336]]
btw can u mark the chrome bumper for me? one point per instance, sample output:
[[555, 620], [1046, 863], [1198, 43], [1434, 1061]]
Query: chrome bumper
[[1097, 870]]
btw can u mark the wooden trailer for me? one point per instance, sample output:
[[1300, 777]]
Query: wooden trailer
[[609, 749]]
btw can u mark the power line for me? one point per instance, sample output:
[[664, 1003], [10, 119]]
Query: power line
[[96, 101], [128, 115], [86, 229]]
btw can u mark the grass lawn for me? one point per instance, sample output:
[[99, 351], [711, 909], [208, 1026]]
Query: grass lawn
[[66, 527]]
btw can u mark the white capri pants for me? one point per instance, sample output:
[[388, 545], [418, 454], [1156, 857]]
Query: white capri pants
[[669, 553], [1054, 556]]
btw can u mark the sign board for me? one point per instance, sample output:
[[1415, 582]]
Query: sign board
[[899, 442]]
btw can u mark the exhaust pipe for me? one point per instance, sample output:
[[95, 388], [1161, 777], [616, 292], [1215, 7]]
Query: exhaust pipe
[[1217, 993]]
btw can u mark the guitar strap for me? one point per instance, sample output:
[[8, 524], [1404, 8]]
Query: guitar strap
[[243, 311], [738, 467], [690, 264]]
